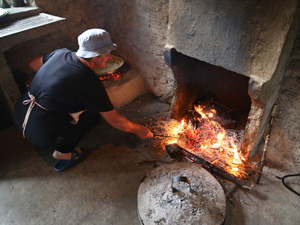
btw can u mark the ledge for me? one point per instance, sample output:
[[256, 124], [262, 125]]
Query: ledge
[[27, 26], [13, 27]]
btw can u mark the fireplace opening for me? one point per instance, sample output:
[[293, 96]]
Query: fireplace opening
[[198, 82], [209, 113]]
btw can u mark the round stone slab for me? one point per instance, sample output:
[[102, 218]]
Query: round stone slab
[[200, 201]]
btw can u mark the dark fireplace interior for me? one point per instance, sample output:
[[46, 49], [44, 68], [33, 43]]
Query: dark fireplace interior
[[198, 82]]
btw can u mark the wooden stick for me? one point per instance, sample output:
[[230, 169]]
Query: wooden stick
[[166, 136]]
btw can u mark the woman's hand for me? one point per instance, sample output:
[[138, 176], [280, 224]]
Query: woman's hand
[[36, 63], [118, 121], [144, 133]]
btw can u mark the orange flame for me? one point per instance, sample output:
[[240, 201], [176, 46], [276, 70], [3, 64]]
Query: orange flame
[[208, 140]]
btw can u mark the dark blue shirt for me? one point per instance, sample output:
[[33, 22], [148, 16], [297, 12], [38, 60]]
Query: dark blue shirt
[[65, 85]]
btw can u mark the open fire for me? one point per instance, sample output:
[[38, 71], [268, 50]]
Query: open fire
[[200, 134]]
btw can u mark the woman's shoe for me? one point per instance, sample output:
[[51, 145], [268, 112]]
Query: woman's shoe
[[65, 164]]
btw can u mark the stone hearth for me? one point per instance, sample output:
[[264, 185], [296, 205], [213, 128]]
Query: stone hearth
[[253, 39]]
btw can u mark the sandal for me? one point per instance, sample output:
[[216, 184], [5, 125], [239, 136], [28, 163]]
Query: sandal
[[64, 164]]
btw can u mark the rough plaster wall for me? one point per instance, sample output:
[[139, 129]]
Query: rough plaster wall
[[80, 15], [284, 144], [241, 36], [265, 94], [139, 29], [293, 69]]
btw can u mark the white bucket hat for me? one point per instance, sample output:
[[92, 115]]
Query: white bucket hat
[[94, 42]]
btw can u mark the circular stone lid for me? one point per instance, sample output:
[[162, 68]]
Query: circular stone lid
[[112, 65], [181, 193]]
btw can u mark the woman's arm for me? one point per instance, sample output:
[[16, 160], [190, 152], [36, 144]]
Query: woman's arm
[[36, 63], [120, 122]]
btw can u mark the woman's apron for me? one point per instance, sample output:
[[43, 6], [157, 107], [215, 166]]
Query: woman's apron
[[32, 101]]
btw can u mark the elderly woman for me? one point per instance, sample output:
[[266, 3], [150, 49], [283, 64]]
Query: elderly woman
[[66, 99]]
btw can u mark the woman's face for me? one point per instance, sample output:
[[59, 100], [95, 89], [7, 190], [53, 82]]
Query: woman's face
[[100, 61]]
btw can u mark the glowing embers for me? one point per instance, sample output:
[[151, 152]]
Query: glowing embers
[[200, 134], [111, 76], [115, 69]]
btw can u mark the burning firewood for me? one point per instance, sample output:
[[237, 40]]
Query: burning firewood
[[199, 134]]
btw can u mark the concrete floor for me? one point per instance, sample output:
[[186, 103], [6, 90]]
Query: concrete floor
[[103, 188]]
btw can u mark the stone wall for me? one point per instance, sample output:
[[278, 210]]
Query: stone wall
[[242, 36]]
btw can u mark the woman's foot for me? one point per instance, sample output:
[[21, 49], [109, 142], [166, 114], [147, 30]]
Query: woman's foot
[[67, 159], [65, 156]]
